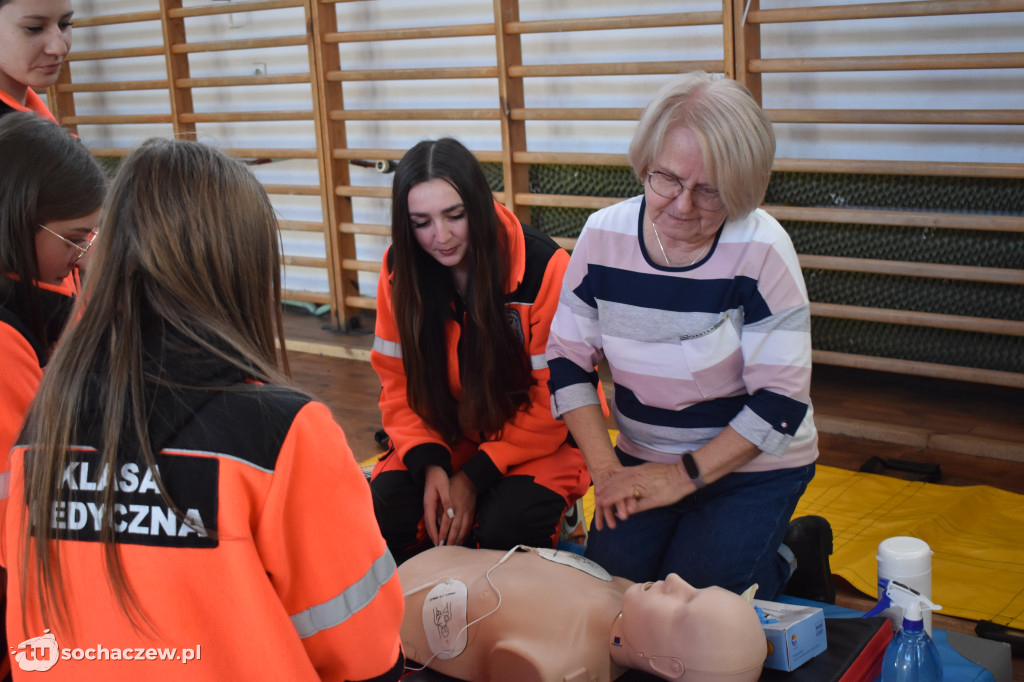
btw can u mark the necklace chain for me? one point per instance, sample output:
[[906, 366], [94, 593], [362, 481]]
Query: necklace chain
[[665, 255]]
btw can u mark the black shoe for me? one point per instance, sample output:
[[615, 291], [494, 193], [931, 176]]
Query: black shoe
[[810, 540]]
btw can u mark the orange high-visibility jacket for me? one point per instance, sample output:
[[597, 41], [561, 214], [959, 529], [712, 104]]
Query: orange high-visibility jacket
[[533, 289], [23, 356], [33, 103], [278, 571]]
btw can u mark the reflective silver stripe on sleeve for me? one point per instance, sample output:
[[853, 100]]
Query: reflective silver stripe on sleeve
[[219, 455], [390, 348], [5, 485], [339, 609], [539, 361]]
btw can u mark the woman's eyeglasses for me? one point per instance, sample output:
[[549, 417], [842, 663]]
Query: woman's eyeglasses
[[670, 187], [79, 249]]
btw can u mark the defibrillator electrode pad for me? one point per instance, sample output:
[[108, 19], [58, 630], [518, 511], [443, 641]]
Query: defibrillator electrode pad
[[575, 561], [444, 619]]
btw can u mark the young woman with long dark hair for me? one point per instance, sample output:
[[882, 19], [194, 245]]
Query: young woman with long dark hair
[[464, 302]]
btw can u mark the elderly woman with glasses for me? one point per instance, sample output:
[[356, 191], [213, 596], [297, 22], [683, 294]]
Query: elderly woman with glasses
[[51, 190], [694, 298]]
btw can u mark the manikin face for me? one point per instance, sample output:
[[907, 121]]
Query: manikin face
[[55, 257], [714, 633], [438, 218], [35, 36], [680, 219]]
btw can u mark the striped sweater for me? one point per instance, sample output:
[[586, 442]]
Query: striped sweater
[[724, 342]]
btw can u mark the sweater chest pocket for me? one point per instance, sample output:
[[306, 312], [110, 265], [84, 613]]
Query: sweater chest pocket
[[713, 356]]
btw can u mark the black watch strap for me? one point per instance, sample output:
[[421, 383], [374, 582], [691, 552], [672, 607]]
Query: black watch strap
[[692, 470]]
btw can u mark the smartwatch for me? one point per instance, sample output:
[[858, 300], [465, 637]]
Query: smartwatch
[[693, 471]]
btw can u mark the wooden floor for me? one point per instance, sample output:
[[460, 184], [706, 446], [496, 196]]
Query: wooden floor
[[975, 433]]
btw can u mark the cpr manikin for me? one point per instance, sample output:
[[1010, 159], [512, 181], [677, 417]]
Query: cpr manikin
[[538, 614]]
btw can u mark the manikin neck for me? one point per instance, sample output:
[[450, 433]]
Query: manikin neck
[[617, 646], [622, 653]]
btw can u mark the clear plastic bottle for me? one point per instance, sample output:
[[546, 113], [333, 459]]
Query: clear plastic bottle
[[912, 655]]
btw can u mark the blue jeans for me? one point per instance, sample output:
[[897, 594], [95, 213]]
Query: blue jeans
[[727, 534]]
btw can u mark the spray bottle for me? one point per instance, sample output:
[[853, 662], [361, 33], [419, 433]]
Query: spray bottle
[[912, 655]]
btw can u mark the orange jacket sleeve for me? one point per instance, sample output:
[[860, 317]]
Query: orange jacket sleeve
[[415, 442], [323, 552], [18, 383]]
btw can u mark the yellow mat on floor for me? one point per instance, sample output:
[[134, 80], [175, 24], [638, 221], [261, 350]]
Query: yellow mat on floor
[[976, 532]]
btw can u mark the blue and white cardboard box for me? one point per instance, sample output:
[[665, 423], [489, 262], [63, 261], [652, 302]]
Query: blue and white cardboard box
[[795, 634]]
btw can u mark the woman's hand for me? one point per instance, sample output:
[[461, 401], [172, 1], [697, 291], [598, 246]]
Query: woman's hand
[[651, 485], [436, 502], [639, 488], [463, 497], [588, 428], [605, 514], [449, 506]]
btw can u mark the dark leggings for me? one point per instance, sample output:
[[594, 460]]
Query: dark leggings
[[513, 511]]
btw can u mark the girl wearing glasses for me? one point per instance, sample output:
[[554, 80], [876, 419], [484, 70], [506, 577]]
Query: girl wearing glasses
[[35, 37], [51, 190], [695, 298], [464, 302], [184, 494]]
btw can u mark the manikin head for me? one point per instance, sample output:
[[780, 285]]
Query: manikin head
[[678, 632]]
